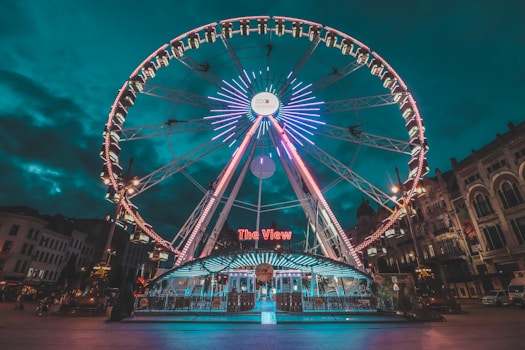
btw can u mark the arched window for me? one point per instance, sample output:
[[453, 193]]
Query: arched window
[[494, 237], [482, 205], [510, 195]]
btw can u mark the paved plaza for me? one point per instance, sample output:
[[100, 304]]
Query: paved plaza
[[477, 328]]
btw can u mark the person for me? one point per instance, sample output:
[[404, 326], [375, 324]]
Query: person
[[19, 302], [125, 302], [109, 305]]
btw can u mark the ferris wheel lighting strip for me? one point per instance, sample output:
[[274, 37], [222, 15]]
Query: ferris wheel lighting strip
[[259, 132], [302, 89], [240, 86], [235, 118], [233, 98], [292, 105], [232, 114], [307, 92], [239, 93], [222, 133], [291, 133], [229, 98], [296, 110], [225, 125], [247, 76], [297, 123], [299, 96], [228, 137], [286, 150], [297, 85], [313, 185], [239, 106], [219, 188]]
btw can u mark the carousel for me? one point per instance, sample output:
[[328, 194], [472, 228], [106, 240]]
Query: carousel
[[260, 280]]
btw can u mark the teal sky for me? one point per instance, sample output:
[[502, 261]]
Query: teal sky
[[62, 63]]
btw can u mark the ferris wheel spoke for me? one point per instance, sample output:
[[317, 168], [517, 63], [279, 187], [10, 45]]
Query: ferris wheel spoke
[[336, 75], [358, 103], [176, 165], [243, 75], [171, 127], [284, 92], [200, 69], [359, 182], [355, 135], [179, 96]]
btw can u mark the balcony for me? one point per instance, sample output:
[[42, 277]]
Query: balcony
[[443, 230]]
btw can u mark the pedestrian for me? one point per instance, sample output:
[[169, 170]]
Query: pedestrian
[[19, 302], [109, 305]]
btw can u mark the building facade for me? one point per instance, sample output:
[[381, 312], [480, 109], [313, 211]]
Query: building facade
[[468, 227], [40, 250], [492, 187]]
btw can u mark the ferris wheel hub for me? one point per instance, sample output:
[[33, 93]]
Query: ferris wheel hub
[[265, 104]]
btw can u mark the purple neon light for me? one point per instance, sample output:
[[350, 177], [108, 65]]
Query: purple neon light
[[299, 113]]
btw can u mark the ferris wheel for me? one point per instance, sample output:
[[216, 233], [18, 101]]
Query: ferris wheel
[[255, 120]]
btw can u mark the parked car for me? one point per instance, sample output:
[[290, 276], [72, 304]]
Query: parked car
[[441, 304], [496, 298], [517, 289]]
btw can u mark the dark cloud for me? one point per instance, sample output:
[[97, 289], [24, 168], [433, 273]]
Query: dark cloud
[[63, 63]]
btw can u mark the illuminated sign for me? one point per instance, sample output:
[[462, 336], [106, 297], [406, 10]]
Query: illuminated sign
[[265, 104], [267, 234]]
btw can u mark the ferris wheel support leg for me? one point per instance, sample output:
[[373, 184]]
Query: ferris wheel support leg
[[210, 243]]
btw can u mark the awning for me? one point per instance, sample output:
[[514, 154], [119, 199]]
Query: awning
[[303, 262]]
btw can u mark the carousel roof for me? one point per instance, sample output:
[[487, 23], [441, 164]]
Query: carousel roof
[[304, 262]]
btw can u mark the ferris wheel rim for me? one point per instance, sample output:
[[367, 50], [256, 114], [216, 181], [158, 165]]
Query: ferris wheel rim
[[418, 157]]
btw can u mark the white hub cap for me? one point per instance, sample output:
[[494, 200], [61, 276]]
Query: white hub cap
[[265, 104]]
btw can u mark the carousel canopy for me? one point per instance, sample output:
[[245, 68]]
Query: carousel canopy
[[303, 262]]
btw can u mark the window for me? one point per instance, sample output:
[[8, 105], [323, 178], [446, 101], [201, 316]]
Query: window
[[510, 195], [518, 225], [24, 248], [17, 266], [431, 251], [482, 205], [7, 246], [14, 230], [494, 237], [30, 233]]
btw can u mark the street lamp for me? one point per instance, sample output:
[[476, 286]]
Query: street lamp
[[406, 207], [110, 253], [127, 185]]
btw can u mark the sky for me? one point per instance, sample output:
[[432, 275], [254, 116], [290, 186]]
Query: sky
[[63, 62]]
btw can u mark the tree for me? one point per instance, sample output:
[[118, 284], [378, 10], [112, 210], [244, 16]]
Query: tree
[[69, 272]]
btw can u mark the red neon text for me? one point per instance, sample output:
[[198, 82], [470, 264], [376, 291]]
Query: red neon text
[[267, 234]]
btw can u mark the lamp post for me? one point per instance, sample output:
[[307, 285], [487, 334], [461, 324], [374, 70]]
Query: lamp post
[[127, 185], [407, 207]]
